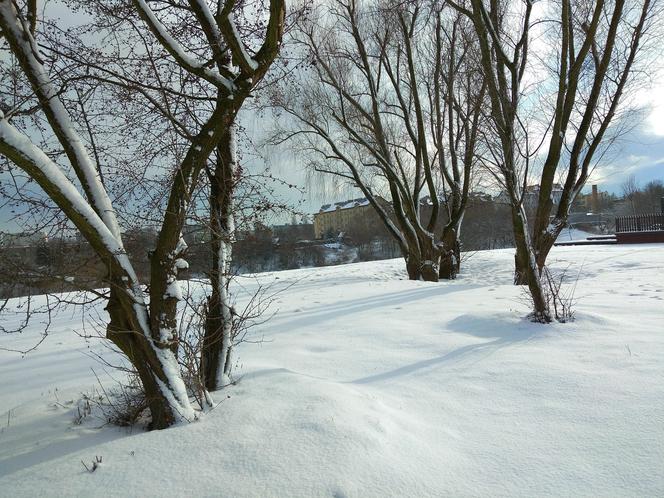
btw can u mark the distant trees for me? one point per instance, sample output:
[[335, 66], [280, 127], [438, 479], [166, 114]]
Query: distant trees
[[629, 190], [208, 53], [596, 46], [651, 197], [390, 102], [643, 200]]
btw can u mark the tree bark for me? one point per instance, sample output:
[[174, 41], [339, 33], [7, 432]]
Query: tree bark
[[450, 261], [526, 264], [430, 261], [413, 267], [217, 347], [125, 332], [422, 262]]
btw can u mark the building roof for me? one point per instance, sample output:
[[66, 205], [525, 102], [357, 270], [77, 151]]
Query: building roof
[[534, 189], [328, 208]]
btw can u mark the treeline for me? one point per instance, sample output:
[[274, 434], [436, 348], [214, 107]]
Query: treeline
[[45, 264]]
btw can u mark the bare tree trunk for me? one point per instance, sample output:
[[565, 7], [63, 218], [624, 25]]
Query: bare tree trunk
[[450, 261], [430, 260], [147, 334], [422, 261], [543, 246], [163, 398], [217, 347], [526, 264], [413, 267], [609, 76]]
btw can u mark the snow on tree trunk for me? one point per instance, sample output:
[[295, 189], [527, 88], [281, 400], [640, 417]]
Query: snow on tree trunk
[[217, 344], [450, 258], [527, 262], [94, 216], [422, 261]]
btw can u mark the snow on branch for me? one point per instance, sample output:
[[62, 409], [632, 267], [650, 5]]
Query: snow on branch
[[174, 48], [21, 151], [240, 56], [212, 33], [24, 47]]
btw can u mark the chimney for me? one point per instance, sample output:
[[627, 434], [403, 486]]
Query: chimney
[[594, 200]]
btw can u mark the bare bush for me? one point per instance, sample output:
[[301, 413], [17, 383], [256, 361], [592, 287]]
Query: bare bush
[[558, 295]]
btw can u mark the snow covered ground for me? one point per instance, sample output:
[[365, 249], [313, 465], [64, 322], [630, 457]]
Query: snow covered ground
[[365, 385], [568, 234]]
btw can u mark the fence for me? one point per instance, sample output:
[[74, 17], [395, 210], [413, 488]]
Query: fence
[[640, 223]]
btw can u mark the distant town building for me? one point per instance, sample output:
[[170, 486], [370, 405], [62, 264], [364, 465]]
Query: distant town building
[[531, 196], [25, 247], [346, 216]]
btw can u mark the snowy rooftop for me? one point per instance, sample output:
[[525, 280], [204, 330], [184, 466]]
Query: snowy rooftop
[[328, 208]]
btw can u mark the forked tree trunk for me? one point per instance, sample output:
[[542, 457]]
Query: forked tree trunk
[[165, 392], [526, 264], [542, 251], [542, 247], [429, 265], [217, 342]]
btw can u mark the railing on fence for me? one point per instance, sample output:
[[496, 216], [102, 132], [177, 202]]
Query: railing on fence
[[640, 223]]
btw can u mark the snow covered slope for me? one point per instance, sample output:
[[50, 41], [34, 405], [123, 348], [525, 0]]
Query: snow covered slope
[[365, 385]]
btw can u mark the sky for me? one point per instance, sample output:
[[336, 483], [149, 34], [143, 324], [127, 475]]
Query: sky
[[640, 153]]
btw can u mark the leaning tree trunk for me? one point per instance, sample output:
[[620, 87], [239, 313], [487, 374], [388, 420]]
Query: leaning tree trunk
[[521, 266], [544, 243], [543, 248], [217, 342], [155, 363]]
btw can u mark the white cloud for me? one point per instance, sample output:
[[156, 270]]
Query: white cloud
[[655, 101]]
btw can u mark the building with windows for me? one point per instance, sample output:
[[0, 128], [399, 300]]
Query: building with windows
[[354, 215]]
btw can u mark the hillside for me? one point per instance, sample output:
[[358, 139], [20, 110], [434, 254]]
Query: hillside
[[364, 384]]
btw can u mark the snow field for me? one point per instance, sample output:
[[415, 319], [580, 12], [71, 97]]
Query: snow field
[[365, 385]]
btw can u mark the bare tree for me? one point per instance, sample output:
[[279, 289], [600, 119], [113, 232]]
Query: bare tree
[[602, 43], [146, 333], [646, 200], [630, 188], [599, 44], [458, 137], [390, 103]]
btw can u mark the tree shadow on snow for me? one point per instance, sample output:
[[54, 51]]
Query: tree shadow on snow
[[505, 331], [325, 312]]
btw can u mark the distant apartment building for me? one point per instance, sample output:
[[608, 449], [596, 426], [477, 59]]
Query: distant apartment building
[[531, 196], [347, 216]]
